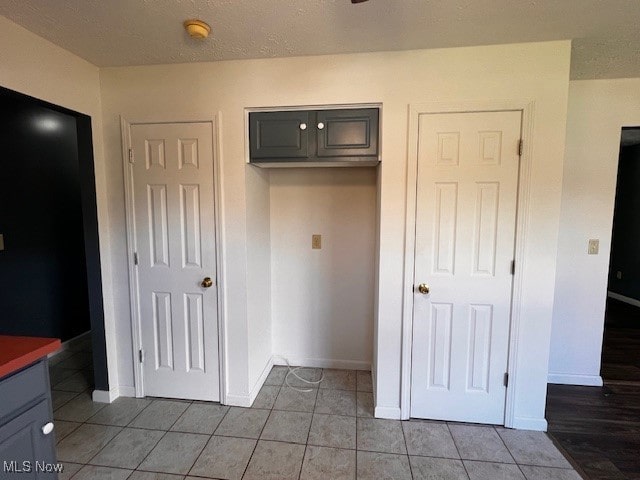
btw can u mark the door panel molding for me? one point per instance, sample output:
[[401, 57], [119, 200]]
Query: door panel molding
[[527, 108], [131, 234]]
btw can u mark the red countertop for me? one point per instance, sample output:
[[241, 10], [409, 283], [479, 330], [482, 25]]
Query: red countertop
[[18, 352]]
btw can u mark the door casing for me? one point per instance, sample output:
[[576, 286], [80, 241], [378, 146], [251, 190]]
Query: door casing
[[524, 180], [136, 343]]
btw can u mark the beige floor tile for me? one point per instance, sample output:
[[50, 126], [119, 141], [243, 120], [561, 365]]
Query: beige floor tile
[[224, 457], [480, 443], [333, 431], [78, 409], [492, 471], [243, 422], [78, 382], [287, 427], [275, 461], [266, 397], [295, 401], [323, 463], [90, 472], [378, 435], [532, 448], [175, 453], [62, 428], [69, 470], [336, 402], [200, 418], [429, 439], [363, 381], [120, 412], [428, 468], [364, 404], [310, 374], [339, 379], [276, 376], [85, 442], [160, 415], [154, 476], [59, 398], [128, 449], [378, 466]]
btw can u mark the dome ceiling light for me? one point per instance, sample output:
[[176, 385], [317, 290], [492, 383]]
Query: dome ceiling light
[[197, 29]]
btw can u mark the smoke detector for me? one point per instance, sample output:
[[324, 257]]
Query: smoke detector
[[197, 29]]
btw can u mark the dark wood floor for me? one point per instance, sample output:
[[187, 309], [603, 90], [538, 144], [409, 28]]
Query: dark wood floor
[[599, 427]]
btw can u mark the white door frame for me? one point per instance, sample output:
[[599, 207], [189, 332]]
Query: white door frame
[[136, 338], [522, 214]]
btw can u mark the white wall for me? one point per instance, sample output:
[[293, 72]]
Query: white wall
[[322, 300], [524, 72], [598, 109], [258, 276], [34, 66]]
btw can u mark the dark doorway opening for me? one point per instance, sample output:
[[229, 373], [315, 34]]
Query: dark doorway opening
[[50, 280]]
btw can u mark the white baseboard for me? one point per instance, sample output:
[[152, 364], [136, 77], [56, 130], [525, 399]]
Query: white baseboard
[[391, 413], [127, 391], [529, 423], [238, 400], [247, 400], [263, 377], [321, 362], [622, 298], [572, 379], [105, 396], [66, 345]]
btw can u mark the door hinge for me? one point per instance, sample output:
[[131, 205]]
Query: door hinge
[[506, 379], [513, 267], [135, 258], [520, 147], [141, 355], [131, 155]]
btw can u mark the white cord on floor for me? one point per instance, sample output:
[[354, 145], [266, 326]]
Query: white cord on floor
[[292, 371]]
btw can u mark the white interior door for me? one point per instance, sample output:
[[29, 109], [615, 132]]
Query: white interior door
[[465, 237], [173, 192]]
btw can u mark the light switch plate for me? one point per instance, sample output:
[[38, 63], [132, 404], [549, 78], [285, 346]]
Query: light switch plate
[[594, 246], [1, 242], [316, 241]]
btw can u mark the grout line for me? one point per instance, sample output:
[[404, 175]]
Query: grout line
[[505, 445], [406, 447]]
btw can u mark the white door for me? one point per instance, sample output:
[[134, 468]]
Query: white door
[[465, 237], [175, 244]]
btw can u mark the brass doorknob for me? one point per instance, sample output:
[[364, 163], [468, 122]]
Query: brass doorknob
[[207, 282], [423, 288]]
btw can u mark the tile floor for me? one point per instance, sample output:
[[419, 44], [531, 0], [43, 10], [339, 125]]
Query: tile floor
[[327, 433]]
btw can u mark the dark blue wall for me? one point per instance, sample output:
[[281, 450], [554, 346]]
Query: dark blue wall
[[625, 243], [50, 283]]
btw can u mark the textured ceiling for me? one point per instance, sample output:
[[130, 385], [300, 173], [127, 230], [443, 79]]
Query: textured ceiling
[[141, 32]]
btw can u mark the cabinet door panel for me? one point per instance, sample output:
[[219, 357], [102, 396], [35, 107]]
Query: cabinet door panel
[[22, 440], [279, 135], [347, 133]]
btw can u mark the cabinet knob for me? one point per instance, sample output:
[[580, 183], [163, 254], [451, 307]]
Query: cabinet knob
[[47, 428], [303, 126], [320, 126]]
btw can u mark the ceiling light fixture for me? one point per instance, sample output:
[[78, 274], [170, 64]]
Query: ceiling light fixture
[[197, 28]]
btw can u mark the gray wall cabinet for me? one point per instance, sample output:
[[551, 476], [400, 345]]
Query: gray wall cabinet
[[341, 137]]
